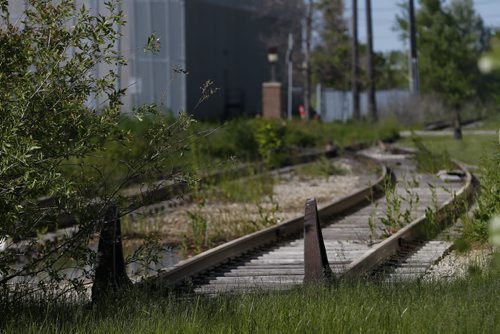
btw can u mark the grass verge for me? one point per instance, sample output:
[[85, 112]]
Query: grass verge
[[462, 306], [470, 149]]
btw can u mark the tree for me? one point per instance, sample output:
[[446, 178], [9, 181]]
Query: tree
[[391, 70], [448, 52], [470, 24], [53, 142], [331, 57]]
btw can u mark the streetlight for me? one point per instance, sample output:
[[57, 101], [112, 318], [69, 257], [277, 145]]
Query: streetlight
[[272, 58]]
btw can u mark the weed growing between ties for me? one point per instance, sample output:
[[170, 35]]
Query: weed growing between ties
[[428, 161], [399, 210], [469, 305], [210, 228]]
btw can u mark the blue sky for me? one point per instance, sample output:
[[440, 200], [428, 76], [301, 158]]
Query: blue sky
[[384, 13]]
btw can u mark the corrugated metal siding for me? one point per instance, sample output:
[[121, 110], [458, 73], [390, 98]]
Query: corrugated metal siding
[[149, 78], [337, 105], [152, 77]]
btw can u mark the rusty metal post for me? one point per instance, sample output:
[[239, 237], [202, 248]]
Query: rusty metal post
[[316, 266], [110, 273]]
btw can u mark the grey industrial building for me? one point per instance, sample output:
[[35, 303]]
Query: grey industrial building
[[217, 40]]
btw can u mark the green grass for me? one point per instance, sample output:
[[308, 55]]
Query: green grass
[[250, 189], [322, 167], [237, 140], [469, 150], [491, 123], [464, 306]]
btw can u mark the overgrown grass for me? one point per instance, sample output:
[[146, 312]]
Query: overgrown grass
[[244, 140], [482, 151], [245, 190], [491, 123], [323, 167], [463, 306], [470, 149], [429, 161], [488, 200]]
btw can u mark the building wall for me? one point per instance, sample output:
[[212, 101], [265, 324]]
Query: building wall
[[149, 78], [224, 44], [152, 78], [218, 40]]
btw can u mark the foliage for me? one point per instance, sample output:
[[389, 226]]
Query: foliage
[[395, 217], [449, 43], [331, 58], [210, 228], [249, 189], [57, 123], [216, 146], [490, 60], [198, 231], [391, 70], [488, 202], [470, 150], [469, 305], [270, 141], [323, 167], [428, 161], [489, 65]]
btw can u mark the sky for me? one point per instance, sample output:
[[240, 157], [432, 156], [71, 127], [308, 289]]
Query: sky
[[384, 14]]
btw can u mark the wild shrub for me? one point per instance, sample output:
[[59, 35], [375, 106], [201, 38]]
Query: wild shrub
[[270, 141], [429, 162], [488, 200], [54, 140]]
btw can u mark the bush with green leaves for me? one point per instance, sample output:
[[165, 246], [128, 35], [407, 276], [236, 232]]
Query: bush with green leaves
[[270, 140], [488, 201], [49, 125]]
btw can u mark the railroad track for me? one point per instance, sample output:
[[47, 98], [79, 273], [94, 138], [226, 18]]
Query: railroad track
[[351, 242]]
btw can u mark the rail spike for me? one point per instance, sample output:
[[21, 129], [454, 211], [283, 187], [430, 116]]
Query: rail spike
[[316, 267], [110, 273]]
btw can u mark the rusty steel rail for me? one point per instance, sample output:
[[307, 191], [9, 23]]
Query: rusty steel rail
[[200, 263], [316, 265], [417, 230]]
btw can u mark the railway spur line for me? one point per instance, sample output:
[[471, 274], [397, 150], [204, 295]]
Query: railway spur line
[[350, 238]]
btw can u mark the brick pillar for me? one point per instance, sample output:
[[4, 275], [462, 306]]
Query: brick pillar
[[271, 100]]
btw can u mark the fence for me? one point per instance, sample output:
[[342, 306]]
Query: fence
[[335, 105]]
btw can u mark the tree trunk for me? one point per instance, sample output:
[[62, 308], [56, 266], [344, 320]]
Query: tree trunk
[[457, 133]]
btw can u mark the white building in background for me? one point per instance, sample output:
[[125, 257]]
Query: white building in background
[[217, 40]]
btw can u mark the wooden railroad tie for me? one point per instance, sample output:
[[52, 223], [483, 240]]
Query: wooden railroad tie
[[316, 267]]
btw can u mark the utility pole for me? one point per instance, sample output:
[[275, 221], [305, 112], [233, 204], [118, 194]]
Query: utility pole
[[356, 113], [372, 99], [414, 80], [290, 75], [307, 57]]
